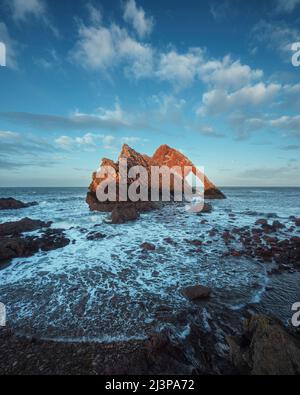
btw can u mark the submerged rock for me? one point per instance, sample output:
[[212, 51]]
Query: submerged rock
[[148, 247], [92, 236], [265, 348], [196, 243], [13, 204], [196, 292], [277, 225], [169, 240], [262, 222]]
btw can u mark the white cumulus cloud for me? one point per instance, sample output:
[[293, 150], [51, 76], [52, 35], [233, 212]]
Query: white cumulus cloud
[[104, 48], [137, 17], [219, 101]]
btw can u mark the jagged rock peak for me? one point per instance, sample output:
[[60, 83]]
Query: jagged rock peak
[[163, 156]]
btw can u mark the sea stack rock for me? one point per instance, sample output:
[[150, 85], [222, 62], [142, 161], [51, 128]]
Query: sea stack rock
[[164, 156], [167, 156]]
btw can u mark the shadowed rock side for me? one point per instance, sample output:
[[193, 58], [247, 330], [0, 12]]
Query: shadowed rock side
[[164, 156]]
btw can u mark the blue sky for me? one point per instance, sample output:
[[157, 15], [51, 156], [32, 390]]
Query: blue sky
[[211, 78]]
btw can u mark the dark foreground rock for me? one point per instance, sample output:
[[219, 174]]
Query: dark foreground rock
[[24, 225], [199, 352], [13, 244], [215, 344], [265, 348], [13, 204], [24, 247], [196, 292], [157, 355]]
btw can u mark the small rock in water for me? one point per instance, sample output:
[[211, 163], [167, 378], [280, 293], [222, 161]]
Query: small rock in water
[[13, 204], [207, 208], [196, 292], [297, 221], [148, 247], [196, 243], [262, 222], [169, 240], [277, 225], [124, 214], [272, 215], [95, 236]]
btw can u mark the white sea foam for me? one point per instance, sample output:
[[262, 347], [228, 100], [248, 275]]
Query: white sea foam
[[109, 289]]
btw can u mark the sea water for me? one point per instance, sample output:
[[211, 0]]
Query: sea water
[[109, 289]]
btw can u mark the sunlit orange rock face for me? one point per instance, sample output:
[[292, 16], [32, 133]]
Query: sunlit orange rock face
[[167, 156], [164, 156]]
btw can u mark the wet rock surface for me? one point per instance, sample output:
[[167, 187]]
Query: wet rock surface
[[267, 243], [13, 244], [196, 292], [202, 351], [95, 236], [124, 214], [265, 348], [13, 204], [118, 207], [198, 347], [148, 247], [22, 226]]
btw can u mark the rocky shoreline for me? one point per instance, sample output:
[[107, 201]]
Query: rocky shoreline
[[14, 243], [218, 340]]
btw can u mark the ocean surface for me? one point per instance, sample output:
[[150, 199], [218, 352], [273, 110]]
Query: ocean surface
[[109, 289]]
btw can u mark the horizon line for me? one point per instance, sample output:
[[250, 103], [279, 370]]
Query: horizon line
[[223, 186]]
